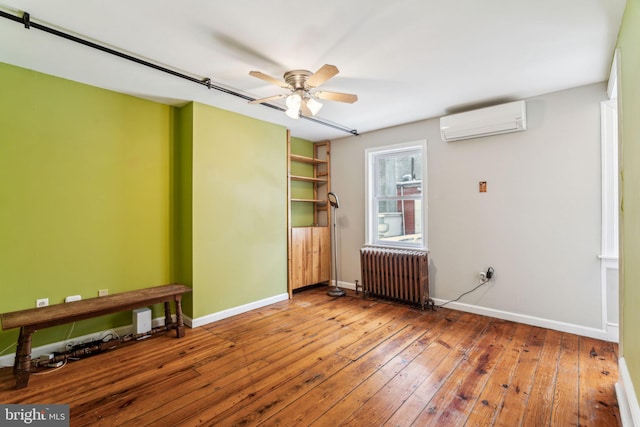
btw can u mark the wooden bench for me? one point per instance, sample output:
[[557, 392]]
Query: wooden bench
[[33, 319]]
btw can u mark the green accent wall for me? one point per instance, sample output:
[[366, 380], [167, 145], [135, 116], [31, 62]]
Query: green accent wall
[[84, 191], [301, 213], [628, 40], [238, 208], [101, 190]]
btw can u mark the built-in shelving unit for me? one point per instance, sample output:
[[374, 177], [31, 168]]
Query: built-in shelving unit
[[310, 244]]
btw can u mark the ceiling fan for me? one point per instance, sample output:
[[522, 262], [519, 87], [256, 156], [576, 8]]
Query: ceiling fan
[[301, 83]]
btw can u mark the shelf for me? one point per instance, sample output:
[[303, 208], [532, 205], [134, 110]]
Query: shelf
[[310, 201], [309, 184], [304, 159], [307, 178]]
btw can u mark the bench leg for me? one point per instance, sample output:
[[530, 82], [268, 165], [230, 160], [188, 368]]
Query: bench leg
[[18, 350], [179, 319], [167, 314], [22, 365]]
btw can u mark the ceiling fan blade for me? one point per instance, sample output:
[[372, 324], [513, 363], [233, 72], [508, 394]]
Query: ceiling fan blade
[[322, 75], [337, 96], [267, 99], [305, 109], [268, 79]]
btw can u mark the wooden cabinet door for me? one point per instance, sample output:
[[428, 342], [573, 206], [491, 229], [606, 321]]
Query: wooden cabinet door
[[301, 257], [310, 256], [321, 254]]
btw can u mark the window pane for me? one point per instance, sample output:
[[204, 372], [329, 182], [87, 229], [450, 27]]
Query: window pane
[[398, 197], [392, 169], [400, 221]]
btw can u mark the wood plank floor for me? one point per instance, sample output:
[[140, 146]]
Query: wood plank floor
[[323, 361]]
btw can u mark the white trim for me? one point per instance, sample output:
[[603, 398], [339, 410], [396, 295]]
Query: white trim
[[609, 194], [611, 328], [522, 318], [627, 400], [346, 285], [528, 320], [59, 346], [369, 182], [609, 174], [612, 85], [623, 405], [613, 332], [214, 317]]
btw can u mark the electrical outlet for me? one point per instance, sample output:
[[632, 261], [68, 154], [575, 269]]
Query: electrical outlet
[[483, 275], [103, 292], [42, 302], [490, 272], [73, 298]]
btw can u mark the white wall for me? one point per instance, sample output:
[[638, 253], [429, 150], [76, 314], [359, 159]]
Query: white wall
[[538, 225]]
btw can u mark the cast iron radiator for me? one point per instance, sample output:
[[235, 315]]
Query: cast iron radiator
[[396, 274]]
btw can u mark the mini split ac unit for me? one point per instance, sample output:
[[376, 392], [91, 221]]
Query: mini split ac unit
[[504, 118]]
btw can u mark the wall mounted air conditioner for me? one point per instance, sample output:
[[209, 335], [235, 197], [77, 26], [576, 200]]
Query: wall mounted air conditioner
[[503, 118]]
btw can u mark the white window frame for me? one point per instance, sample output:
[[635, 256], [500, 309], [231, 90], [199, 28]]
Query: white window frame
[[609, 129], [371, 235], [610, 279]]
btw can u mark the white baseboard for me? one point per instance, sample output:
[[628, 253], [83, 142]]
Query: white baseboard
[[346, 285], [627, 399], [606, 335], [214, 317], [613, 332], [529, 320]]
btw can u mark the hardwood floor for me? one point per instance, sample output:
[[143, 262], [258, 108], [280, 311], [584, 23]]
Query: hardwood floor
[[323, 361]]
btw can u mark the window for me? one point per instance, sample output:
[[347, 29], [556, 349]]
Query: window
[[609, 122], [396, 208]]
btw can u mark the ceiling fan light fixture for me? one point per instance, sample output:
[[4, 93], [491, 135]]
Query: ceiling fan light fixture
[[303, 100], [293, 102], [294, 114], [314, 105]]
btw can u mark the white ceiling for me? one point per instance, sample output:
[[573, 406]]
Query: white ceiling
[[407, 60]]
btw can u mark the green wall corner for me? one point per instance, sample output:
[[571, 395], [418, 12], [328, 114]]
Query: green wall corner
[[239, 210], [102, 190], [182, 203]]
